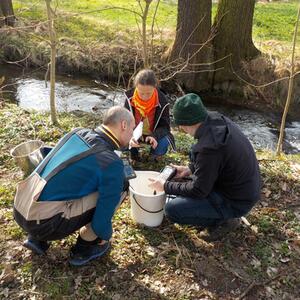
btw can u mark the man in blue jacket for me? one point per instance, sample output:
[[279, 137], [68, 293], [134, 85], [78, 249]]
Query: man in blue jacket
[[78, 186], [222, 182]]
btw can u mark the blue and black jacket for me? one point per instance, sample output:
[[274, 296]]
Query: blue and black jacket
[[99, 172]]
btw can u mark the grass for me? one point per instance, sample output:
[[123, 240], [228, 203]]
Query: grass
[[94, 17], [90, 22], [105, 43], [275, 21], [272, 21], [169, 262]]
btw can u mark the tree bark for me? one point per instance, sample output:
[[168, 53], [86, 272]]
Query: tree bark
[[2, 18], [192, 33], [144, 33], [53, 62], [6, 9], [233, 29]]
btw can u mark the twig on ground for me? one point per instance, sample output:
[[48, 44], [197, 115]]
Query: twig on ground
[[254, 283]]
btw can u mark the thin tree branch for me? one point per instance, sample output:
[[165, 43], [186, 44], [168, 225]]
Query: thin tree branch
[[290, 88]]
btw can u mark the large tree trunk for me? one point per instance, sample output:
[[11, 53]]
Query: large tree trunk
[[191, 42], [2, 18], [233, 29], [6, 9]]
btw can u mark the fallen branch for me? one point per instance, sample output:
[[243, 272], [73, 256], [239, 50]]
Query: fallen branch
[[256, 284]]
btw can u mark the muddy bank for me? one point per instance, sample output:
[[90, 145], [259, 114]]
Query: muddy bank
[[111, 62], [115, 63], [82, 94]]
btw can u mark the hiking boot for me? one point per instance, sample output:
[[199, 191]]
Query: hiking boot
[[83, 252], [37, 247], [217, 232]]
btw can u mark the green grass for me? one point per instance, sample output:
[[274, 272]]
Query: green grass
[[107, 11], [275, 21], [95, 21], [272, 21]]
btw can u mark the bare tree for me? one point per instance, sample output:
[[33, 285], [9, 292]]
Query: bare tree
[[52, 36], [233, 29], [7, 15], [192, 40], [145, 12], [2, 18], [290, 89]]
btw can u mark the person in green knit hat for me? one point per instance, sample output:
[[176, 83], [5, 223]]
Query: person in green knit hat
[[222, 182]]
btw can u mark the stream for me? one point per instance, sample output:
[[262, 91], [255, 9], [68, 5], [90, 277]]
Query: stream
[[27, 88]]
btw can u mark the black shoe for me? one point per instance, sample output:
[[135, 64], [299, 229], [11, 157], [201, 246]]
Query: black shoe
[[82, 252], [217, 232], [37, 247]]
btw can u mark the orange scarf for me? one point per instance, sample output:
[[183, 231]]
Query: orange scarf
[[144, 107]]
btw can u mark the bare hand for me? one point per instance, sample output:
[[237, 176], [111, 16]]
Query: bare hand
[[134, 144], [181, 171], [152, 141], [157, 184]]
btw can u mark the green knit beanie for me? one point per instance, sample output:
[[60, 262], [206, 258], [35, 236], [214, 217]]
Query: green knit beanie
[[189, 110]]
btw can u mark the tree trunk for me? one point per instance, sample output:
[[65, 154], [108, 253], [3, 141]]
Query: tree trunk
[[53, 62], [144, 33], [233, 29], [6, 8], [2, 18], [192, 33]]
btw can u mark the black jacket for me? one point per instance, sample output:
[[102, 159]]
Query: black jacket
[[161, 118], [224, 161]]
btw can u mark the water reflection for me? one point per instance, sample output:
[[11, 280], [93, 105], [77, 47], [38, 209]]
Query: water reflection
[[32, 94], [91, 96]]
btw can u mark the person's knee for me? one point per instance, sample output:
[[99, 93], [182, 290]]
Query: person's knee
[[162, 147], [171, 211]]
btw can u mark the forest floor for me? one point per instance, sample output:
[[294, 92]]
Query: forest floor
[[258, 261]]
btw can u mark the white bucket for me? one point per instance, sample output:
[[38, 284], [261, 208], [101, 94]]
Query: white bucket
[[146, 208]]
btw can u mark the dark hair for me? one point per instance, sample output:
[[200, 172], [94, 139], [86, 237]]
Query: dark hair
[[145, 77]]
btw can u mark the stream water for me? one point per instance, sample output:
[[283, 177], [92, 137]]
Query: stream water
[[84, 94]]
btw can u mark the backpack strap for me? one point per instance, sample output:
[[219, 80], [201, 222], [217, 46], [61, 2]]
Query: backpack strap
[[93, 150], [61, 142]]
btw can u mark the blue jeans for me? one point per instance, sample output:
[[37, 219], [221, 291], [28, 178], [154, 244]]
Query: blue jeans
[[209, 211], [161, 149]]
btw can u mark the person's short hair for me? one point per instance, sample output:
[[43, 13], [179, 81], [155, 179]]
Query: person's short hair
[[145, 77], [116, 114]]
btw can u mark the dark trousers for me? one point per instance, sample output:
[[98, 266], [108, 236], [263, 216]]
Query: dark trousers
[[54, 228], [206, 212], [58, 227]]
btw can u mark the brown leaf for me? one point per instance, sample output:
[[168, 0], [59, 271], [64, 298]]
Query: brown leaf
[[77, 282], [267, 192], [284, 186], [7, 275], [284, 260]]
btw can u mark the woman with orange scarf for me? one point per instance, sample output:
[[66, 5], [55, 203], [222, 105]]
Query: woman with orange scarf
[[149, 105]]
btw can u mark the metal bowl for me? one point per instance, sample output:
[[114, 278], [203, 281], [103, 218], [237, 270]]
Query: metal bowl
[[28, 155]]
